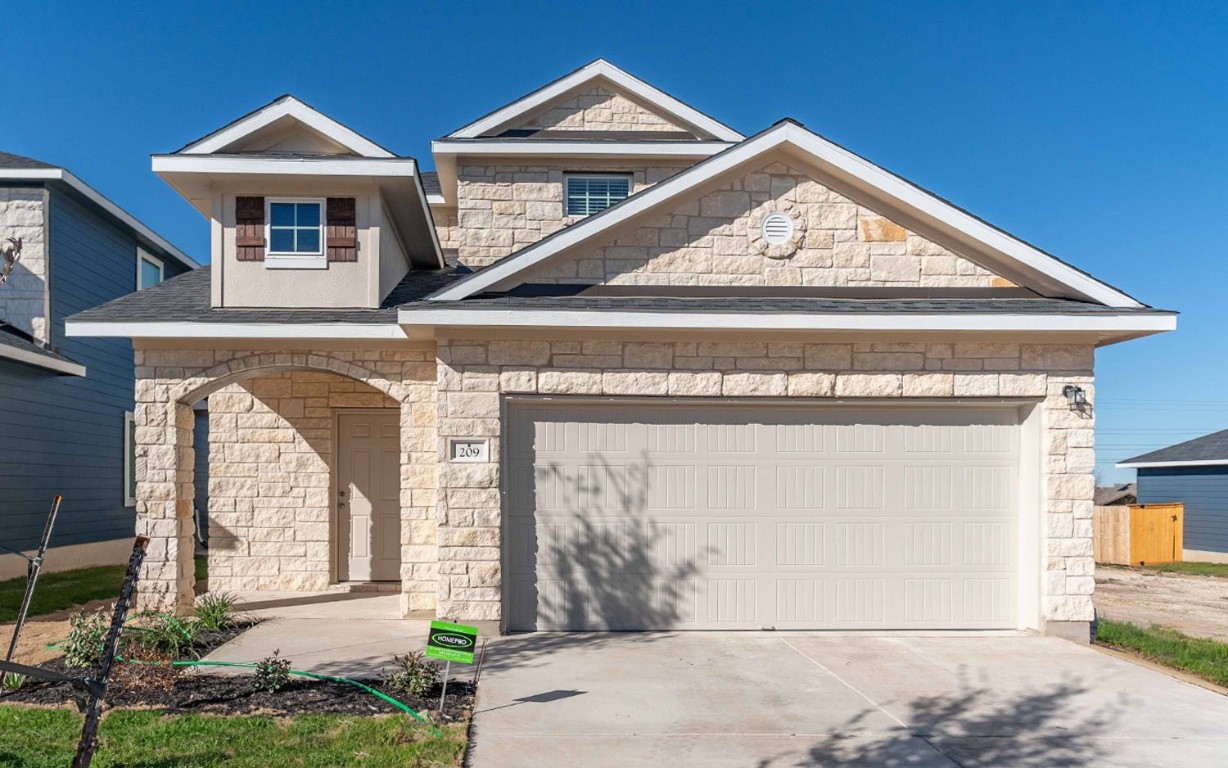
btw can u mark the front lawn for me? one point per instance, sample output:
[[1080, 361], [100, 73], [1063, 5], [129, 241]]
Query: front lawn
[[34, 738], [1207, 659], [58, 591], [1196, 569]]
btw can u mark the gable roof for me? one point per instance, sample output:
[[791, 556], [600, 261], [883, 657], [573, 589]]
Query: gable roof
[[1208, 450], [944, 220], [22, 350], [20, 168], [597, 70], [282, 107]]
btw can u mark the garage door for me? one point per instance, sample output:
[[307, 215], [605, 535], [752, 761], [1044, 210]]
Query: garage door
[[657, 517]]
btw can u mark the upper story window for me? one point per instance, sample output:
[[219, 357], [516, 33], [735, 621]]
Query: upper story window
[[588, 193], [148, 270], [296, 233]]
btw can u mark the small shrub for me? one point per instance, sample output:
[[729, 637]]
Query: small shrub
[[215, 611], [12, 682], [272, 673], [162, 635], [86, 636], [411, 674]]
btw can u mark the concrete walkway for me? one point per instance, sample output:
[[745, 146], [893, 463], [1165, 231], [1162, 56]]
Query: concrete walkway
[[347, 634], [772, 700]]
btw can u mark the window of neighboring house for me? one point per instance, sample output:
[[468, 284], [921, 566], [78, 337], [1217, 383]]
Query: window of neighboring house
[[129, 459], [296, 234], [148, 270], [586, 193]]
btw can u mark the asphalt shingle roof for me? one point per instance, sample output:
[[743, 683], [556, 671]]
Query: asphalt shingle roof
[[13, 341], [1212, 447], [9, 160], [430, 183]]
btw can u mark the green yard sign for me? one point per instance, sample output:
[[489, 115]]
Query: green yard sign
[[451, 642]]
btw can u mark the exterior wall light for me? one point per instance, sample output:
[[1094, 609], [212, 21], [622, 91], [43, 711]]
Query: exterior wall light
[[1075, 396]]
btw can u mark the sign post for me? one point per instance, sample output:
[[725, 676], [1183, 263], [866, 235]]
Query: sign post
[[450, 642]]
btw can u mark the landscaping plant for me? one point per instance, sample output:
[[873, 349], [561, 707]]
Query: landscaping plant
[[411, 674], [215, 611], [272, 673], [162, 634], [12, 682], [86, 636]]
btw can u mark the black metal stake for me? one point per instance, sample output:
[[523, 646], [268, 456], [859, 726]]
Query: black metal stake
[[34, 567], [96, 687]]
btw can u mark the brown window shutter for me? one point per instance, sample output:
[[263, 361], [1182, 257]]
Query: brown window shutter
[[249, 228], [342, 229]]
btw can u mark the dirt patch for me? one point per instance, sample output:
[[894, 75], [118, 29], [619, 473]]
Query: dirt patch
[[41, 630], [178, 690], [1193, 605]]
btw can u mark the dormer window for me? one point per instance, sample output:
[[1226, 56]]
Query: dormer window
[[588, 193], [296, 234]]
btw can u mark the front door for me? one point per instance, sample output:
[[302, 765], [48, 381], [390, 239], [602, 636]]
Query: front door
[[369, 496]]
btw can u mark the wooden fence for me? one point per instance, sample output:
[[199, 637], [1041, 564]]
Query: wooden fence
[[1138, 534]]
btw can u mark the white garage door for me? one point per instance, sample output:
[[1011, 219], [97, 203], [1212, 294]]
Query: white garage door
[[745, 517]]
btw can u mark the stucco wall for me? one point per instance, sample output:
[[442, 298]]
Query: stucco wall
[[597, 109], [474, 373], [24, 296], [503, 208], [716, 240]]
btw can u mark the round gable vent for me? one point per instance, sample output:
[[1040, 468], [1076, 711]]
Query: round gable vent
[[777, 228]]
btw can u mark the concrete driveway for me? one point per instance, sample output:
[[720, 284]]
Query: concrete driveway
[[771, 700]]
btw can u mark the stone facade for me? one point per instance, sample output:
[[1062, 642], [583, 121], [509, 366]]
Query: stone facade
[[598, 109], [716, 240], [169, 381], [271, 459], [24, 297], [474, 373], [503, 208]]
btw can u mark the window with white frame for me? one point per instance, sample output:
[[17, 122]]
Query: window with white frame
[[148, 270], [296, 233], [588, 193], [129, 459]]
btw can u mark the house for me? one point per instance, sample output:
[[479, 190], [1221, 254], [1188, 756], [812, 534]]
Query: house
[[1125, 493], [66, 410], [1194, 473], [615, 365]]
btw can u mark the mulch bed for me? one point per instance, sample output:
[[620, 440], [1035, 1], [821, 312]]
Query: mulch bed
[[179, 691]]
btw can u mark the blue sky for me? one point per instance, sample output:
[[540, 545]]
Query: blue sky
[[1095, 131]]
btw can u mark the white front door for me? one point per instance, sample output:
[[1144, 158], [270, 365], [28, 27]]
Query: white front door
[[369, 496]]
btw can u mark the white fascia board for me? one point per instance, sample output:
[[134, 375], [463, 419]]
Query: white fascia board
[[910, 322], [824, 153], [289, 166], [1155, 464], [41, 361], [581, 149], [436, 199], [158, 330], [296, 109], [625, 81], [96, 197]]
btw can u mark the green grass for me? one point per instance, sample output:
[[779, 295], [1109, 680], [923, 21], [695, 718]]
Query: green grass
[[57, 591], [202, 568], [38, 738], [1207, 659], [1198, 569]]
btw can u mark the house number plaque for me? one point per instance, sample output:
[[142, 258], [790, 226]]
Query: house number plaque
[[462, 451]]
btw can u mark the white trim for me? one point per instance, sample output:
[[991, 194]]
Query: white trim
[[599, 69], [826, 154], [96, 197], [302, 166], [181, 330], [581, 148], [295, 259], [50, 363], [287, 106], [129, 468], [1153, 464], [964, 322], [435, 198], [144, 255]]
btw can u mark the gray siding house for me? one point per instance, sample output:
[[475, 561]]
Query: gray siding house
[[67, 402], [1194, 473]]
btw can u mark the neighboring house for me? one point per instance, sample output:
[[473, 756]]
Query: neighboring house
[[66, 409], [1116, 495], [678, 378], [1194, 473]]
